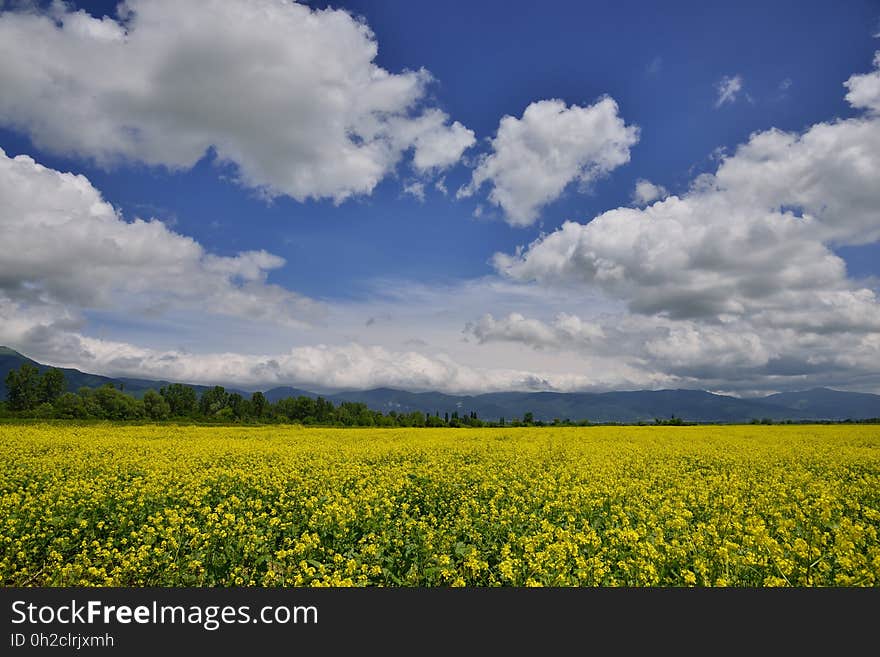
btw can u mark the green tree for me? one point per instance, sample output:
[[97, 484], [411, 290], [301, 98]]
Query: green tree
[[435, 421], [155, 406], [238, 406], [414, 419], [246, 409], [528, 418], [89, 401], [23, 388], [226, 414], [69, 406], [325, 411], [51, 385], [116, 405], [213, 400], [44, 411], [181, 399], [259, 404]]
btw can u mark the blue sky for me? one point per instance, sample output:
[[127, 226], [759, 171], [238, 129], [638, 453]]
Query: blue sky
[[411, 291]]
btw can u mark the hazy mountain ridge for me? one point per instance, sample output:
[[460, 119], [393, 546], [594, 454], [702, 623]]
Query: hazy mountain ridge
[[76, 379], [626, 406]]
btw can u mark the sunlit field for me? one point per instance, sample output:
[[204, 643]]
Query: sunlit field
[[286, 506]]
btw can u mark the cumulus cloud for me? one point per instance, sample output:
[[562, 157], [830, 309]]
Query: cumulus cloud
[[864, 90], [66, 246], [534, 158], [290, 96], [741, 266], [646, 192], [437, 145], [728, 87], [753, 237]]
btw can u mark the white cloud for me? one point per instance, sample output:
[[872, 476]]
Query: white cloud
[[321, 366], [566, 331], [739, 272], [660, 343], [536, 157], [728, 87], [732, 285], [80, 269], [753, 237], [415, 189], [437, 145], [864, 90], [647, 192], [66, 246], [289, 95], [736, 355]]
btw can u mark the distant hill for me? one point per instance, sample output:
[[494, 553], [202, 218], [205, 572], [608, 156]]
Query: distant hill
[[829, 404], [630, 406], [75, 379], [389, 399], [643, 405], [283, 392]]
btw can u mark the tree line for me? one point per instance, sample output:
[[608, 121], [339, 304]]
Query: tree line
[[31, 394]]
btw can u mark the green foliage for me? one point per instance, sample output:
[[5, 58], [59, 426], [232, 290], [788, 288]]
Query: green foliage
[[155, 406], [69, 406], [182, 399], [213, 401], [28, 391], [259, 404], [238, 406], [22, 387], [44, 411], [116, 405], [51, 386], [226, 413], [672, 421]]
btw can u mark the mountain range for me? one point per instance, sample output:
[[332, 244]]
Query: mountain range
[[628, 406], [75, 379]]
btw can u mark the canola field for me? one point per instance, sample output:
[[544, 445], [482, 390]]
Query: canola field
[[148, 505]]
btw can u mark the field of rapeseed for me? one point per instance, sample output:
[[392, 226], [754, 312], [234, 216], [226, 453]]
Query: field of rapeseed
[[281, 506]]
